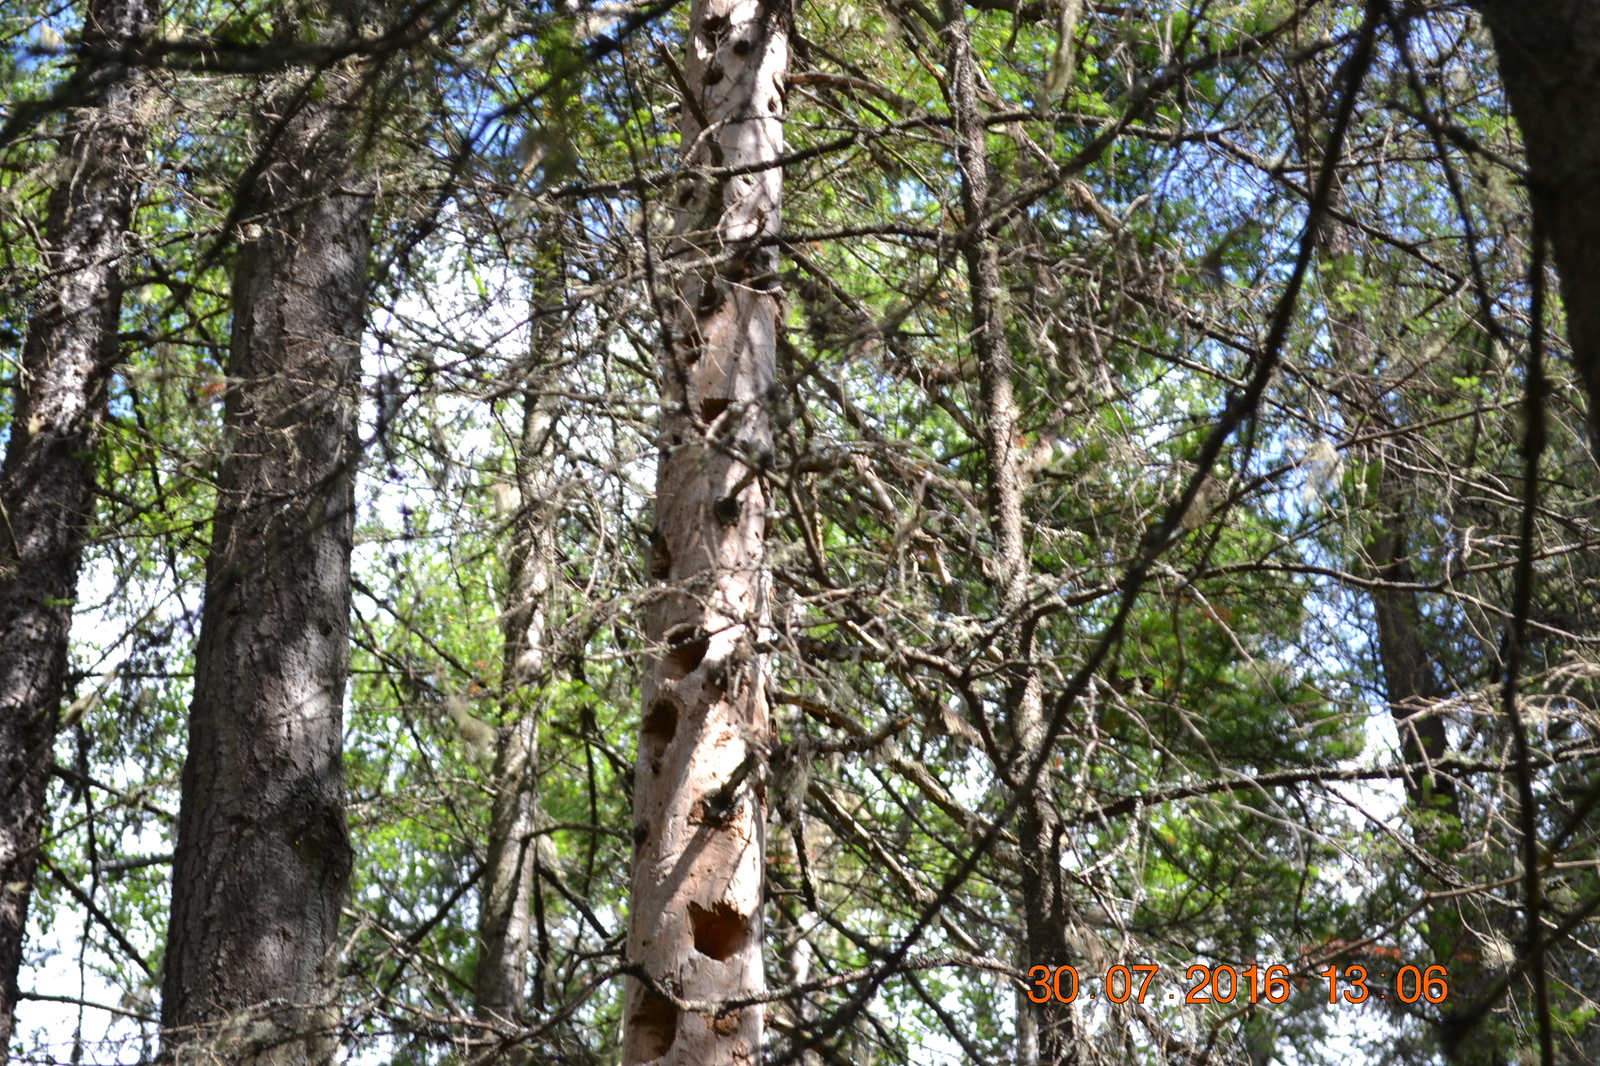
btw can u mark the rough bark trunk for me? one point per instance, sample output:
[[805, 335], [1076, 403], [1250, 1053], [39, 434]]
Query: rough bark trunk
[[504, 920], [263, 854], [1046, 911], [47, 482], [1412, 686], [699, 812], [800, 969], [1549, 54], [1410, 683]]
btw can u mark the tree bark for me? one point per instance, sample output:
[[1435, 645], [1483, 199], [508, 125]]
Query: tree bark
[[1412, 686], [504, 920], [47, 482], [1049, 1035], [1410, 682], [263, 854], [699, 811], [1549, 53]]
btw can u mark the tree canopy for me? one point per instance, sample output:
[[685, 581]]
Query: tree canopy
[[1162, 532]]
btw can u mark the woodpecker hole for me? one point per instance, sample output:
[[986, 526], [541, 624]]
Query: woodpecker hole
[[660, 725], [660, 558], [654, 1027], [713, 26], [684, 653], [661, 722], [720, 931], [711, 408]]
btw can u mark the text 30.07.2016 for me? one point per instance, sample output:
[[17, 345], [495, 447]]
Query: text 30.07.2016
[[1249, 984]]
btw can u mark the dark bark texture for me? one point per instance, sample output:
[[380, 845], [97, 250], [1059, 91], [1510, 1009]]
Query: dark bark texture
[[1410, 679], [1549, 56], [1549, 53], [47, 482], [263, 855]]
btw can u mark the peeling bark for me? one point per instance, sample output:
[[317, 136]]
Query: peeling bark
[[47, 482], [263, 854], [699, 812]]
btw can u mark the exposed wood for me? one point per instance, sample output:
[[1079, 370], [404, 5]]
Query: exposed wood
[[695, 914]]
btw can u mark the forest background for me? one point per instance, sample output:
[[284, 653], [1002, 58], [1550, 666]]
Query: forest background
[[1150, 462]]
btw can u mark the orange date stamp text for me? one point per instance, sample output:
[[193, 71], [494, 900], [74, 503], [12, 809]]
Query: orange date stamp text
[[1232, 984]]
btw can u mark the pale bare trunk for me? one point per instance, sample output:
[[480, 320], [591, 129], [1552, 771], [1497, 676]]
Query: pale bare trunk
[[263, 854], [47, 483], [699, 812], [803, 1012], [504, 919]]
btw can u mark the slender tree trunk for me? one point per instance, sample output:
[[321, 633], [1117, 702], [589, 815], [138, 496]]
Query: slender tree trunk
[[1410, 682], [1046, 910], [1412, 687], [47, 482], [1549, 53], [799, 966], [504, 919], [263, 853], [699, 812]]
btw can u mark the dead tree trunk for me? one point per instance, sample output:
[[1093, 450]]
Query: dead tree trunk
[[504, 920], [1046, 910], [699, 812], [47, 482], [263, 854]]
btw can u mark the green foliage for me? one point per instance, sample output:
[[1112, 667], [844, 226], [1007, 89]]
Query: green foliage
[[1226, 783]]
